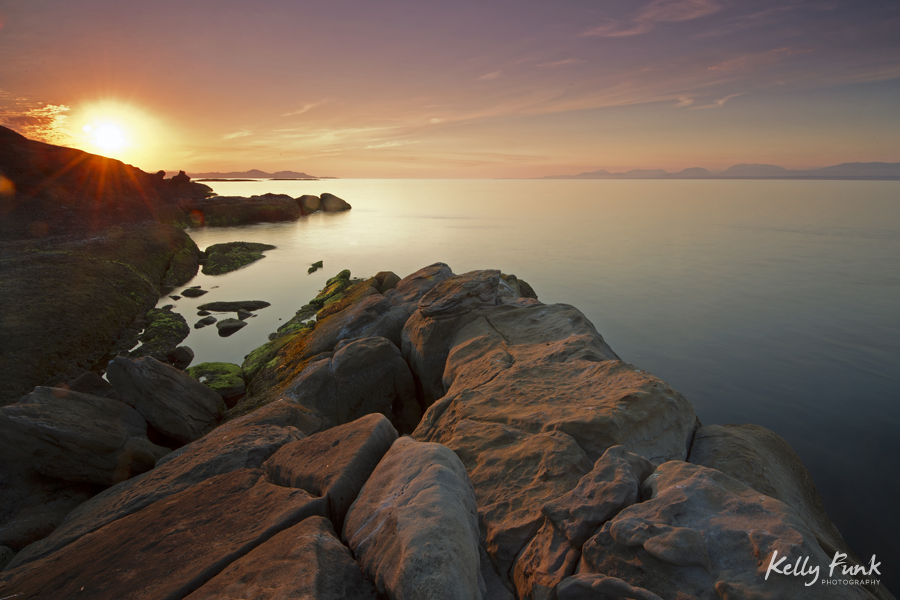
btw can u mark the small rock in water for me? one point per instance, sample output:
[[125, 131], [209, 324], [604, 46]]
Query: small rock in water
[[204, 322], [243, 315], [180, 357], [202, 313], [193, 292], [315, 267], [229, 326], [175, 297]]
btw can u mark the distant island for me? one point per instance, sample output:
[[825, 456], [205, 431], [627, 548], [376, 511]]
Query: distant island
[[255, 174], [870, 170]]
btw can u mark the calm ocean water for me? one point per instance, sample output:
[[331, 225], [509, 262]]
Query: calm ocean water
[[767, 302]]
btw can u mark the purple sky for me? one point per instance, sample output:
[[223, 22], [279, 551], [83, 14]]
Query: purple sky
[[470, 89]]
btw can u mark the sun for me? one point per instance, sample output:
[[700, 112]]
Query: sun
[[107, 136]]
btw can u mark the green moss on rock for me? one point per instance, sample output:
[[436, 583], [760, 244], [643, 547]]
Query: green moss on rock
[[226, 379], [163, 331], [224, 258]]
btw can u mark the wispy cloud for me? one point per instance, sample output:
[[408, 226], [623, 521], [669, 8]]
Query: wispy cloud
[[392, 144], [717, 103], [305, 108], [237, 134], [561, 63], [43, 122], [658, 11], [756, 59], [489, 76], [684, 101]]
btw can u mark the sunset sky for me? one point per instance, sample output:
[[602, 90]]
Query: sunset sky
[[485, 88]]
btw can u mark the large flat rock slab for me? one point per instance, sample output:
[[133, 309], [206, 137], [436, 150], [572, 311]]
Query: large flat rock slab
[[414, 528], [305, 561], [171, 548]]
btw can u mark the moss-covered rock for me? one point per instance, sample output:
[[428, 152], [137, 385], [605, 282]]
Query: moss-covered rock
[[233, 306], [183, 266], [163, 331], [93, 289], [228, 211], [224, 258], [226, 379]]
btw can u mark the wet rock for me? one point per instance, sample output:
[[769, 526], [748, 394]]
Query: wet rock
[[414, 526], [334, 463], [230, 256], [180, 357], [173, 547], [331, 203], [202, 313], [163, 331], [176, 298], [244, 443], [205, 321], [243, 315], [227, 327], [76, 437], [234, 306], [362, 377], [226, 379], [305, 561], [193, 292], [175, 404]]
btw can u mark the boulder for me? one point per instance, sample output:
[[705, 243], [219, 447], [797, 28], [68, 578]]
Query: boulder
[[331, 203], [414, 527], [180, 357], [76, 437], [304, 561], [387, 280], [230, 256], [373, 316], [362, 377], [226, 379], [243, 315], [244, 443], [412, 287], [764, 461], [703, 534], [6, 555], [334, 463], [227, 327], [234, 306], [613, 484], [174, 546], [175, 404], [592, 587], [163, 331], [309, 204], [229, 211]]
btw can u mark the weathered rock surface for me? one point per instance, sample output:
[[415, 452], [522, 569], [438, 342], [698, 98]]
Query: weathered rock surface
[[335, 463], [703, 534], [6, 555], [414, 528], [412, 287], [91, 383], [163, 331], [174, 546], [226, 379], [529, 396], [331, 203], [175, 404], [305, 561], [183, 266], [76, 437], [207, 320], [362, 377], [244, 443], [230, 256], [594, 587], [613, 484], [309, 204], [180, 357], [764, 461]]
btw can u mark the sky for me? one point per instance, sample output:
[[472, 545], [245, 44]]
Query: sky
[[484, 88]]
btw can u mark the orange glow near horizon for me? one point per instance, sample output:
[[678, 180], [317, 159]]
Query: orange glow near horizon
[[118, 130]]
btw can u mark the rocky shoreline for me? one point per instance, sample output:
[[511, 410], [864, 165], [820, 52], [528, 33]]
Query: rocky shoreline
[[536, 464], [426, 437]]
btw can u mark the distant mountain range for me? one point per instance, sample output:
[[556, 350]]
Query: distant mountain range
[[254, 174], [872, 170]]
